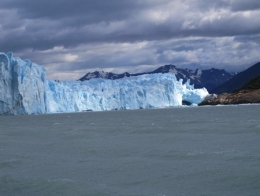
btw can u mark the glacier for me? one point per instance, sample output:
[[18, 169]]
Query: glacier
[[24, 89]]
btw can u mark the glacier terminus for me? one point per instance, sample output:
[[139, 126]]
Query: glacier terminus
[[24, 89]]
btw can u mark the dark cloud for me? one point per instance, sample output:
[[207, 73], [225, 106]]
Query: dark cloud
[[246, 39], [91, 10], [46, 24], [67, 35], [248, 5]]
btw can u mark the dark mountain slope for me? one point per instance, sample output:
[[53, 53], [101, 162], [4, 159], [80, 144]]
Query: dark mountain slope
[[238, 80], [253, 84]]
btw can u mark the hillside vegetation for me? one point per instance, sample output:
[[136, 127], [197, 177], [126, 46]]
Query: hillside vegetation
[[254, 83]]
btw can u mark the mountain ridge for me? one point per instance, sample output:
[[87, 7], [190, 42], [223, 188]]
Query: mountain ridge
[[209, 78]]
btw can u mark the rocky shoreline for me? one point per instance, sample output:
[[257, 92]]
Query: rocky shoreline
[[238, 97]]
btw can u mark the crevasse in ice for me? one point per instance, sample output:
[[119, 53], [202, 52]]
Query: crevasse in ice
[[24, 89]]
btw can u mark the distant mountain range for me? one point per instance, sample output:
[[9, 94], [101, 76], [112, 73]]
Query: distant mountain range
[[209, 79], [238, 80]]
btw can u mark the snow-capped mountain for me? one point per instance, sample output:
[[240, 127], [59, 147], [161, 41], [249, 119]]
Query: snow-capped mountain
[[108, 75], [209, 78]]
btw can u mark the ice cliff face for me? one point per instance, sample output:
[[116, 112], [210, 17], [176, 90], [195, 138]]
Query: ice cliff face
[[146, 91], [22, 86], [25, 90]]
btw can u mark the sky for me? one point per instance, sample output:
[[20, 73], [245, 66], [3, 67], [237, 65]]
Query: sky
[[73, 37]]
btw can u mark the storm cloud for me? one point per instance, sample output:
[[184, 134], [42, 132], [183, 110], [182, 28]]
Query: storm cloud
[[71, 38]]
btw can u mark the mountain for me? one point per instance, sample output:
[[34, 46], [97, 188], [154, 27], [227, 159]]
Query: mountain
[[209, 79], [107, 75], [238, 80]]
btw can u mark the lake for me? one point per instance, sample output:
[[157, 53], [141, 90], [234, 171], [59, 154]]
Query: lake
[[212, 150]]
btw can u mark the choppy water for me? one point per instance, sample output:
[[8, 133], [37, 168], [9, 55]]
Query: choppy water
[[171, 152]]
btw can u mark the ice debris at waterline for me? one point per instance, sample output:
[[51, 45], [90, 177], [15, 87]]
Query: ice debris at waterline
[[24, 89]]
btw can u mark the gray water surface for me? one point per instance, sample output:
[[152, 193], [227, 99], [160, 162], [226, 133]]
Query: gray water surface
[[178, 151]]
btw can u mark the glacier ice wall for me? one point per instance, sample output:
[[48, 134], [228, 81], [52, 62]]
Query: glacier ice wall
[[25, 90], [22, 86]]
